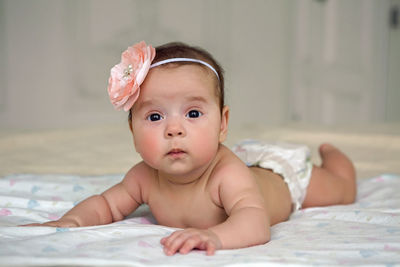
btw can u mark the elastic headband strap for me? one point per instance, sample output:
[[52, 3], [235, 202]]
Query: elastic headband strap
[[184, 59]]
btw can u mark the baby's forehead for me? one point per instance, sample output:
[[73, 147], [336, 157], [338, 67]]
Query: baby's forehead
[[171, 95], [180, 76], [149, 101]]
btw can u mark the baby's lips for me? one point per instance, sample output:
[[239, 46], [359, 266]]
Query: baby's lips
[[176, 150]]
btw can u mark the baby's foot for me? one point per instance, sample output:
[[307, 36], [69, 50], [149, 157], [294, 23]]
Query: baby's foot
[[336, 161], [326, 148], [338, 164], [330, 153]]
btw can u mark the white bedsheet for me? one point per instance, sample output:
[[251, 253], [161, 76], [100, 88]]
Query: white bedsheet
[[367, 232]]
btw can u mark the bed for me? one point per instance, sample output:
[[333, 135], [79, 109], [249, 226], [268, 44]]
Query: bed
[[46, 172]]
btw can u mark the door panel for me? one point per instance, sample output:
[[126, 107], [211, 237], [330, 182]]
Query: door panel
[[393, 95], [339, 61]]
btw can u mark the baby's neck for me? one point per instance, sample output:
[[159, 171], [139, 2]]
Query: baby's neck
[[184, 180]]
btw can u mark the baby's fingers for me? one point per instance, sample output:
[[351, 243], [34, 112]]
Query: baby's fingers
[[210, 248], [197, 242], [61, 224], [30, 224], [168, 240], [52, 224], [187, 240], [191, 243], [173, 242]]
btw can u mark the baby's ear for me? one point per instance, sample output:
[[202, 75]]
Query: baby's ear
[[224, 124], [130, 126], [130, 121], [133, 136]]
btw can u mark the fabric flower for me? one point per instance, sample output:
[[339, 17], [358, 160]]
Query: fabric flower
[[127, 76]]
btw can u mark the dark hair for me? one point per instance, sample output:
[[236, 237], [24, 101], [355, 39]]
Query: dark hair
[[178, 49]]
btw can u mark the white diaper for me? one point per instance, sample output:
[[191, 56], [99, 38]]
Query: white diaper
[[292, 162]]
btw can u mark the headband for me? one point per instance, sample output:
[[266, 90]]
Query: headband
[[184, 59], [127, 76]]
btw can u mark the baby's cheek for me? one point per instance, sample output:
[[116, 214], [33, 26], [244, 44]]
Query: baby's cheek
[[149, 149], [207, 146]]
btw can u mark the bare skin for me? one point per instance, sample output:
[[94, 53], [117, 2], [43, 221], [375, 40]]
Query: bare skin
[[333, 183], [197, 207], [190, 180]]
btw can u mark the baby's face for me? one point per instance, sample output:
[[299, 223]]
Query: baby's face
[[177, 123]]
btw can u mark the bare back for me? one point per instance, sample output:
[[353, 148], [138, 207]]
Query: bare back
[[275, 192]]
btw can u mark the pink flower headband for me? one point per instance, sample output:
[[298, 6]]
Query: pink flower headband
[[127, 76]]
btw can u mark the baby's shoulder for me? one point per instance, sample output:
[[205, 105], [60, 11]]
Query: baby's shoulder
[[231, 177], [140, 174], [230, 167], [138, 181]]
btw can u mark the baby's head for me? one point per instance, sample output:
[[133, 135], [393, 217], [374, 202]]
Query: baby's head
[[181, 50], [139, 62], [127, 76], [178, 50], [175, 98]]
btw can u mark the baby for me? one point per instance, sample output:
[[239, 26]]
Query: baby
[[190, 180]]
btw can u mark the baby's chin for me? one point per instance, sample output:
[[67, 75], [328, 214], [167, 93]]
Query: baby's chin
[[183, 174]]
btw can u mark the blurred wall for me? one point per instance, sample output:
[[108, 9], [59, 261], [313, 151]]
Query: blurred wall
[[55, 55], [307, 60]]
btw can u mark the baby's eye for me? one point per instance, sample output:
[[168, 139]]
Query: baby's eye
[[154, 117], [194, 114]]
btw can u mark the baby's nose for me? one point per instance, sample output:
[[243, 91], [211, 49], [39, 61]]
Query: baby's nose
[[174, 129], [174, 133]]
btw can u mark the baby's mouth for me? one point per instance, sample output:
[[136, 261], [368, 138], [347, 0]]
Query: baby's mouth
[[176, 152]]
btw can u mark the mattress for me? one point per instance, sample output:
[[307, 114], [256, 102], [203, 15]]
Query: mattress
[[44, 173], [366, 232]]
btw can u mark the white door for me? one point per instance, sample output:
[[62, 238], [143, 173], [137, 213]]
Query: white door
[[339, 61], [393, 85]]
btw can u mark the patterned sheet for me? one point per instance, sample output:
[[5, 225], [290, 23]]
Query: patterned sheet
[[367, 232]]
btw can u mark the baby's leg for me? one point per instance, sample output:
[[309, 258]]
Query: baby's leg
[[332, 183]]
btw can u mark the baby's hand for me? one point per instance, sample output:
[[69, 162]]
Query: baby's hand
[[62, 223], [186, 240]]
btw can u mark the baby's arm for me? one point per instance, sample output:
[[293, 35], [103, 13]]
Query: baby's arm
[[112, 205], [247, 225], [248, 222]]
